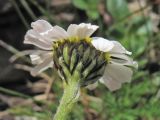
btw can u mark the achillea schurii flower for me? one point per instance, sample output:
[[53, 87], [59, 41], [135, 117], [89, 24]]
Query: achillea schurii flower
[[94, 58]]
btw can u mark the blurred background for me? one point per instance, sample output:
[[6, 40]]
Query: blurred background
[[134, 23]]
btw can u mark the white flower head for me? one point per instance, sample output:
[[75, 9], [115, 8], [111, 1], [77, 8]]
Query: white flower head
[[99, 58], [44, 34]]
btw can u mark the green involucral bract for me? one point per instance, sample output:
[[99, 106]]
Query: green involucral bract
[[78, 55]]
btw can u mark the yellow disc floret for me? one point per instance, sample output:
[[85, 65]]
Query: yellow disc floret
[[107, 57]]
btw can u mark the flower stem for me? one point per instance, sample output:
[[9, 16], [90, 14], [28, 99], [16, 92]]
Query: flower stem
[[68, 100]]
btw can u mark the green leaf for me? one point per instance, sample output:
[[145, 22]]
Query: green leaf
[[146, 28], [90, 7], [93, 14], [81, 4], [117, 8]]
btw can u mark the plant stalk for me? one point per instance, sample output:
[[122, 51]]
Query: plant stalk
[[68, 100]]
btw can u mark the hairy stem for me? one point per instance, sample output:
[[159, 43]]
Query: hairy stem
[[68, 100]]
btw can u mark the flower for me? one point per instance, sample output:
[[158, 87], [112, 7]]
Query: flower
[[94, 58], [43, 34]]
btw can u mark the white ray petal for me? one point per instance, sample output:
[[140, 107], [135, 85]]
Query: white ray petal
[[118, 48], [35, 59], [82, 30], [102, 44], [49, 32], [34, 38], [58, 33], [47, 63], [110, 83], [115, 75], [92, 86], [72, 30], [123, 59], [119, 72], [39, 56], [86, 30], [41, 26]]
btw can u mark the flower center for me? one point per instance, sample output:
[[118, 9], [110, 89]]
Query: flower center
[[78, 55]]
